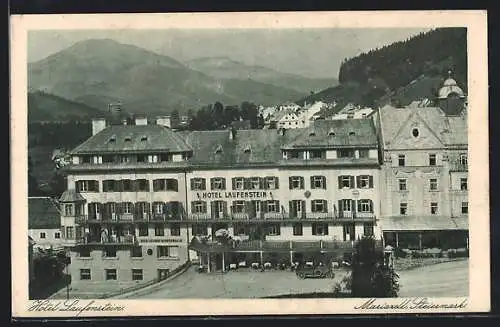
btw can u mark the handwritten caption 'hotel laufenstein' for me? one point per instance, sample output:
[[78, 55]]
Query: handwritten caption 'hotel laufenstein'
[[234, 195]]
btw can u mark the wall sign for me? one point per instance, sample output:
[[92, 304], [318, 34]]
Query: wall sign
[[234, 195], [159, 240]]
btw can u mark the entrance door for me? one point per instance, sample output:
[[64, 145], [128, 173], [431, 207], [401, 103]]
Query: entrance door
[[349, 234], [346, 208]]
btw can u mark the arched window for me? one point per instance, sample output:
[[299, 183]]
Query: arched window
[[463, 159]]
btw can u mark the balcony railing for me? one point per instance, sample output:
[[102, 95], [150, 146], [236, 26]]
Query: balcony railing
[[458, 167], [270, 246], [111, 239], [240, 216]]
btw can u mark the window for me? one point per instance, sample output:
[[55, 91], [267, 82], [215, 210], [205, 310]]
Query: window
[[199, 230], [345, 153], [167, 251], [297, 230], [68, 209], [433, 184], [238, 206], [296, 182], [403, 208], [273, 230], [368, 229], [124, 159], [434, 208], [402, 185], [168, 184], [255, 183], [110, 252], [238, 183], [198, 184], [365, 181], [401, 160], [142, 185], [158, 208], [295, 154], [432, 159], [346, 181], [70, 232], [143, 230], [465, 208], [199, 207], [218, 183], [136, 274], [318, 182], [110, 274], [364, 153], [320, 229], [84, 252], [317, 154], [272, 183], [463, 159], [85, 274], [415, 132], [127, 207], [136, 252], [109, 186], [87, 186], [319, 206], [175, 230], [57, 235], [365, 205], [273, 206], [126, 185], [463, 184], [42, 235], [159, 230]]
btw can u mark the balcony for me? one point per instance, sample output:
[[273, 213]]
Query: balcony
[[107, 240], [281, 216], [355, 216], [166, 216], [458, 167]]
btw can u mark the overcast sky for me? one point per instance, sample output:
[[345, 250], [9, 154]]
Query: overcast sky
[[308, 52]]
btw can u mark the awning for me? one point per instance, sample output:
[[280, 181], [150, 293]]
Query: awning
[[71, 196], [423, 223]]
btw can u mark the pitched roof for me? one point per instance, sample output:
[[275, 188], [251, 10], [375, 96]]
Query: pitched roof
[[71, 196], [337, 133], [43, 213], [133, 138], [450, 130]]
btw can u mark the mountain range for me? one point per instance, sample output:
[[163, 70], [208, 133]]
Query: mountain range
[[97, 72]]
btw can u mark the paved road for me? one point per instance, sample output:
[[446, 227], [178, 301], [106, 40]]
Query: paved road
[[445, 279]]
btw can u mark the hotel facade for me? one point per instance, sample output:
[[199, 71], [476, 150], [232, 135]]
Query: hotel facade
[[141, 197]]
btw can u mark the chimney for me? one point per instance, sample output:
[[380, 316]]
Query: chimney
[[164, 121], [141, 120], [98, 124]]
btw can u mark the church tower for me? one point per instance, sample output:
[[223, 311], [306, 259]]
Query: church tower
[[451, 98]]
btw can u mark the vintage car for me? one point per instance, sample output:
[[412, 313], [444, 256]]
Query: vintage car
[[314, 271]]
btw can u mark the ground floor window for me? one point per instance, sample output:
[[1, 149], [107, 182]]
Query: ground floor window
[[297, 230], [167, 251], [465, 208], [137, 274], [136, 252], [85, 274], [273, 230], [320, 229], [368, 229], [199, 230], [111, 274], [159, 230], [143, 230]]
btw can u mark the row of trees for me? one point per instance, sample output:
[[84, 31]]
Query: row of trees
[[217, 116]]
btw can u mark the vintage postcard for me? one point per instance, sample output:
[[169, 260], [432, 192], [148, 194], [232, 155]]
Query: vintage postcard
[[249, 163]]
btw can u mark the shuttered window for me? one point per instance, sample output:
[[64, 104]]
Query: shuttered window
[[198, 184], [318, 182], [364, 181], [296, 182]]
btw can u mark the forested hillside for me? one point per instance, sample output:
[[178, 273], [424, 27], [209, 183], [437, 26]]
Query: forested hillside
[[368, 77]]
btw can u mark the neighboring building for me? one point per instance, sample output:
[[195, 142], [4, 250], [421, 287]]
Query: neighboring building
[[31, 264], [288, 119], [308, 114], [44, 222], [425, 171], [352, 112], [288, 106], [138, 195]]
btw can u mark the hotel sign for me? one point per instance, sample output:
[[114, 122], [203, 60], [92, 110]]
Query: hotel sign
[[159, 240], [234, 195]]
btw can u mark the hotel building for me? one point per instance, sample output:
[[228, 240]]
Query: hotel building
[[139, 197]]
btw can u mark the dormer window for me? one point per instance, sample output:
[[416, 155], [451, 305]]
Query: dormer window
[[144, 138], [219, 149], [128, 139], [352, 133], [112, 139], [247, 149], [331, 133], [312, 133]]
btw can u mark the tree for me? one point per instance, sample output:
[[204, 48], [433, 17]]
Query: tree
[[249, 111], [370, 277], [175, 118], [33, 187]]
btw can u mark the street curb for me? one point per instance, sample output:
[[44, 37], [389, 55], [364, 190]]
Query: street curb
[[150, 288]]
